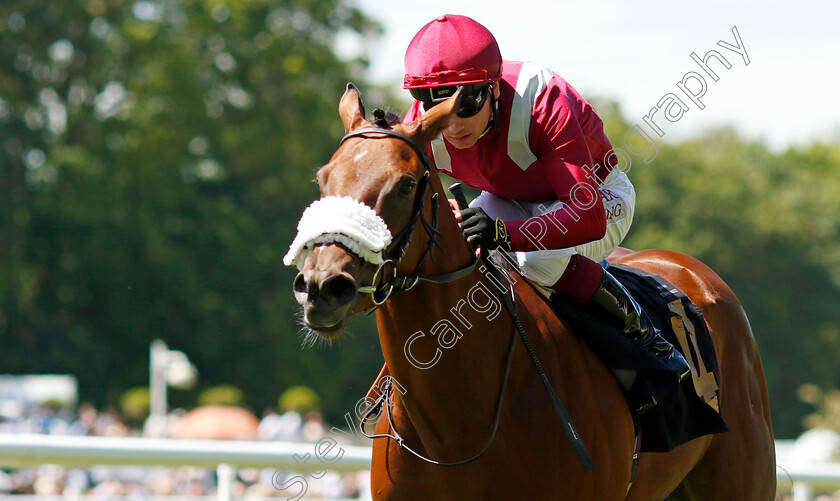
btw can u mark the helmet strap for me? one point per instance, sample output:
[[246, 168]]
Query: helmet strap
[[494, 108]]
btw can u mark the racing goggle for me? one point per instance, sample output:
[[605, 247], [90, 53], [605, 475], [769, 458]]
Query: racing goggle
[[473, 97]]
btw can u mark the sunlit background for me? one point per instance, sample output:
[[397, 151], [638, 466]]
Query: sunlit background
[[155, 157], [637, 52]]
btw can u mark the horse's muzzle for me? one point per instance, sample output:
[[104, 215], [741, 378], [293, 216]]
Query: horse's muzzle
[[326, 297]]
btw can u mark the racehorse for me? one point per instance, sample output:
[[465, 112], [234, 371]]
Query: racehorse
[[466, 397]]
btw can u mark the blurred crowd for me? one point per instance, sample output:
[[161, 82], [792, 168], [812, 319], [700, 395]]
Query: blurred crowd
[[135, 482]]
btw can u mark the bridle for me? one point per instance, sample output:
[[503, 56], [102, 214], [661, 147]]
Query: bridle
[[393, 254]]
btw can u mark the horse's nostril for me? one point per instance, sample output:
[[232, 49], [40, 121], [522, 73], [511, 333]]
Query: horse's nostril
[[339, 288], [300, 286]]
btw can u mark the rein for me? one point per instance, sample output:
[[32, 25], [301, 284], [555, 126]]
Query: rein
[[509, 300], [397, 250], [396, 437]]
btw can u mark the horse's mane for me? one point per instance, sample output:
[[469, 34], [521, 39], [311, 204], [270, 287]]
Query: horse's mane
[[385, 118]]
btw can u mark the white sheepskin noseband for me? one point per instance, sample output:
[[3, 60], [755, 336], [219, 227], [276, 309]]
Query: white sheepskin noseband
[[343, 220]]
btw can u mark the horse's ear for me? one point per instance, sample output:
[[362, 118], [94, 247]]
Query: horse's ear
[[351, 108], [431, 123]]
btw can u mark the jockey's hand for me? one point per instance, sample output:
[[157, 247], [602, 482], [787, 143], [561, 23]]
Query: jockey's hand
[[482, 231]]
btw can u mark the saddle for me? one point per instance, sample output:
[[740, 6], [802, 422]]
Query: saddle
[[685, 409]]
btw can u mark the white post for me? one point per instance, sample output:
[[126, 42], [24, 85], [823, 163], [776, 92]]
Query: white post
[[802, 492], [225, 473], [157, 388]]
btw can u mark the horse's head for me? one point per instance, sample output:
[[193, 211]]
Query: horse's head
[[374, 190]]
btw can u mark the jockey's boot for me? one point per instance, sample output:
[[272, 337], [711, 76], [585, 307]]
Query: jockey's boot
[[615, 300]]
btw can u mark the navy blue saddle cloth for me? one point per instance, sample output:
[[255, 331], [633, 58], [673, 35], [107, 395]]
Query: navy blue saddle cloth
[[686, 410]]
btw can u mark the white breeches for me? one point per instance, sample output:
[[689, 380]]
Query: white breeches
[[545, 267]]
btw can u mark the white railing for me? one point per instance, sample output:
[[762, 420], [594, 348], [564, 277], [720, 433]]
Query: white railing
[[22, 450], [18, 450], [803, 479], [804, 468]]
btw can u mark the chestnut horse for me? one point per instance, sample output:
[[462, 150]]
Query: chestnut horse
[[446, 341]]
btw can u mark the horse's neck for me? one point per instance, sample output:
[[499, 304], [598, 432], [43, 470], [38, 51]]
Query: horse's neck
[[445, 344], [454, 252]]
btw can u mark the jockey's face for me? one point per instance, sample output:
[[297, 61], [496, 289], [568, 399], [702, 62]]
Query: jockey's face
[[463, 133]]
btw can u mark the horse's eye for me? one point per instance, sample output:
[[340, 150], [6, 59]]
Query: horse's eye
[[407, 186]]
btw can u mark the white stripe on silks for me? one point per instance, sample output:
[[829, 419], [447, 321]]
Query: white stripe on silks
[[440, 155], [343, 220], [531, 82]]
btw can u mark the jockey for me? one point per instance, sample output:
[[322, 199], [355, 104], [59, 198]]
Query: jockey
[[551, 190]]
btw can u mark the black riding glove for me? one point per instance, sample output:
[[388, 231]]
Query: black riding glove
[[481, 231]]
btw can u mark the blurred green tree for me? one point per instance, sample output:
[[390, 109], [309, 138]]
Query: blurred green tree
[[134, 405], [155, 156], [154, 159], [225, 394], [300, 399], [768, 224]]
